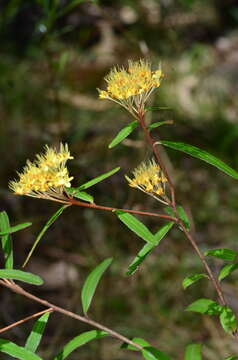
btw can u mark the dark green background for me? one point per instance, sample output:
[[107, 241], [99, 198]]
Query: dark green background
[[51, 62]]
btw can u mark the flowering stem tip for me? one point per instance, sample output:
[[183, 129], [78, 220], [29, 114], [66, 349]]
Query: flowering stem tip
[[149, 178], [46, 177], [131, 87]]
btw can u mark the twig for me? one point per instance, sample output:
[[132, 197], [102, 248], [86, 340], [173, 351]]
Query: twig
[[188, 235], [155, 150], [25, 320], [107, 208], [17, 289], [203, 260]]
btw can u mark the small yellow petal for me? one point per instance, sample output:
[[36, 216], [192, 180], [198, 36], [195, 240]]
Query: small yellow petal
[[48, 172], [149, 178], [125, 83]]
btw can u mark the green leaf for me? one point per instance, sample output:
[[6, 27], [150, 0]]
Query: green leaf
[[140, 257], [6, 240], [183, 216], [205, 306], [156, 107], [228, 320], [91, 283], [80, 195], [150, 353], [78, 341], [193, 352], [136, 226], [20, 275], [147, 248], [202, 155], [232, 357], [159, 123], [227, 270], [123, 133], [189, 280], [16, 228], [97, 179], [35, 336], [42, 232], [169, 211], [162, 232], [18, 352], [136, 340], [224, 254]]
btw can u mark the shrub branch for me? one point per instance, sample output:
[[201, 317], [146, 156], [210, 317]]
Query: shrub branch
[[19, 290]]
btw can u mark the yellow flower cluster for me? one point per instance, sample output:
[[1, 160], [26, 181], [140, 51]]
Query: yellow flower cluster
[[132, 87], [149, 178], [46, 177]]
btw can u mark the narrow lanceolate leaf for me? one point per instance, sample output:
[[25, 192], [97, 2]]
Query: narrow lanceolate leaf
[[193, 352], [136, 340], [42, 232], [224, 254], [182, 214], [20, 275], [189, 280], [162, 232], [148, 352], [18, 352], [147, 248], [6, 240], [136, 226], [151, 353], [123, 133], [82, 195], [140, 257], [205, 306], [202, 155], [169, 211], [228, 320], [227, 270], [91, 283], [15, 228], [159, 123], [157, 107], [232, 357], [35, 336], [98, 179], [184, 217], [78, 341]]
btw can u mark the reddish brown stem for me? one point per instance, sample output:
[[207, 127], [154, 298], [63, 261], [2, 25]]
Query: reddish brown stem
[[188, 235], [25, 320], [156, 152], [203, 260], [17, 289], [107, 208]]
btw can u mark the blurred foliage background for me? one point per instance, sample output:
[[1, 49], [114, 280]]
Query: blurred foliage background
[[54, 54]]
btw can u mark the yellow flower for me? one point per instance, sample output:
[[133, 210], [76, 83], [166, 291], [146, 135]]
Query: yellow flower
[[46, 177], [131, 88], [52, 158], [149, 178]]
